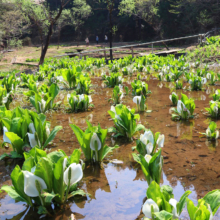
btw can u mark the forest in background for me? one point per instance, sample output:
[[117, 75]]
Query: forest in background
[[132, 20]]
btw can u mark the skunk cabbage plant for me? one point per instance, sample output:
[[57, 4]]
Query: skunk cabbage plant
[[149, 157], [79, 102], [140, 101], [125, 121], [185, 108], [214, 110], [27, 131], [174, 98], [113, 80], [139, 88], [44, 102], [92, 142], [46, 180], [160, 203], [211, 132]]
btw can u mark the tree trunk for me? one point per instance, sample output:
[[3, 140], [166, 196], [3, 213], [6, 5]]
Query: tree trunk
[[110, 34], [47, 42]]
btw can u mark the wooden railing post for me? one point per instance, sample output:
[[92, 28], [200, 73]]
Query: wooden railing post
[[152, 46], [105, 54], [132, 52]]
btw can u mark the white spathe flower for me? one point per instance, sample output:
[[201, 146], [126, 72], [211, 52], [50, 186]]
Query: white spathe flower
[[215, 108], [149, 148], [32, 140], [216, 92], [60, 78], [76, 174], [190, 81], [208, 132], [147, 136], [81, 97], [147, 157], [42, 105], [217, 135], [30, 184], [137, 100], [208, 75], [204, 80], [47, 131], [32, 128], [146, 208], [173, 202], [95, 139], [160, 140], [68, 97], [113, 110], [90, 98], [181, 107], [5, 138], [5, 99]]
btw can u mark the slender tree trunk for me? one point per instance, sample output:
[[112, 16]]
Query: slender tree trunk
[[45, 47], [110, 34]]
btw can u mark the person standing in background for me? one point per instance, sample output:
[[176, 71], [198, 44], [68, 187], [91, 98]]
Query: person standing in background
[[87, 41], [97, 39], [106, 39]]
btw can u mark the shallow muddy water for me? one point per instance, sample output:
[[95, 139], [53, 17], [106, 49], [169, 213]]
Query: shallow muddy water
[[118, 191]]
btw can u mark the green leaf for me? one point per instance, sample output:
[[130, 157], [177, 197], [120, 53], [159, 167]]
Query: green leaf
[[75, 156], [163, 215], [112, 130], [139, 127], [44, 169], [153, 191], [78, 192], [3, 156], [58, 184], [16, 141], [79, 133], [52, 135], [107, 150], [12, 193], [213, 198], [182, 202], [17, 178], [48, 197], [55, 156]]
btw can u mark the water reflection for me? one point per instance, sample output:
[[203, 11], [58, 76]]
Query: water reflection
[[185, 129]]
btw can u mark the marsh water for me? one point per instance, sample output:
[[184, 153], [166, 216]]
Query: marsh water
[[118, 190]]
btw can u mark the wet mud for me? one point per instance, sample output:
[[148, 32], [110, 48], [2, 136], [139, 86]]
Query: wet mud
[[118, 190]]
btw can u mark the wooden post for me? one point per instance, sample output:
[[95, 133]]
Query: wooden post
[[105, 54], [200, 38], [80, 56], [84, 57], [132, 52], [152, 46]]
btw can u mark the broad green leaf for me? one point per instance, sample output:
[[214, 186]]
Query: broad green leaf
[[213, 198], [78, 192], [44, 169], [17, 178], [182, 202], [75, 156], [107, 150], [55, 156], [79, 133], [52, 135], [16, 141], [163, 215], [12, 193]]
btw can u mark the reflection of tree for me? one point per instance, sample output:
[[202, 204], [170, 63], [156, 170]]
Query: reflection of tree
[[185, 129], [94, 179]]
